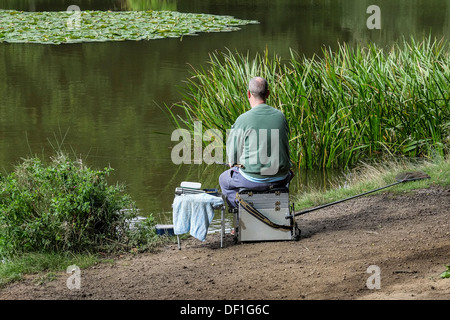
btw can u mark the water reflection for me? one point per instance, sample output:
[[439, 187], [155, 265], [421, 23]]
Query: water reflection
[[61, 5], [137, 5], [103, 99]]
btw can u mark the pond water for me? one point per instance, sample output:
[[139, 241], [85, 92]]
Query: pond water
[[104, 101]]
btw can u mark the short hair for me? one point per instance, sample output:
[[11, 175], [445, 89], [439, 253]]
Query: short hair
[[258, 87]]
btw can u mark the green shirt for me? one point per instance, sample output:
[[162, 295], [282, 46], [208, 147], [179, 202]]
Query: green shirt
[[259, 140]]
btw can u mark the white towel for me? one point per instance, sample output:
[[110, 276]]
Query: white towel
[[193, 213]]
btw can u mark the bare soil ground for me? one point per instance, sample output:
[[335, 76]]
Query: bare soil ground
[[406, 235]]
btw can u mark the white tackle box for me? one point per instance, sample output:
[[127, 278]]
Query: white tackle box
[[261, 216]]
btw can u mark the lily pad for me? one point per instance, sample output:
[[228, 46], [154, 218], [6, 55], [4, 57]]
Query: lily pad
[[88, 26]]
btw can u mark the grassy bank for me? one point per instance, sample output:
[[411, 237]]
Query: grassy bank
[[366, 177], [342, 107], [44, 265]]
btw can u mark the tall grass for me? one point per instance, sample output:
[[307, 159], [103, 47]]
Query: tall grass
[[342, 106]]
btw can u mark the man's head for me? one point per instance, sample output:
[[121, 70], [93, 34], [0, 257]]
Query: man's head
[[258, 90]]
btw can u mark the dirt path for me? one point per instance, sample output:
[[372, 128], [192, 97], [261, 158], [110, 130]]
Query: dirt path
[[407, 236]]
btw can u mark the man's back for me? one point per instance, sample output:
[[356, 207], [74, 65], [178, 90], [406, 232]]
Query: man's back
[[259, 140]]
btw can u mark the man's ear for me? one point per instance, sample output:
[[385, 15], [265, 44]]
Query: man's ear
[[267, 93], [249, 94]]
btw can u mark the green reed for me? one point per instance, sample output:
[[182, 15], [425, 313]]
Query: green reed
[[342, 106]]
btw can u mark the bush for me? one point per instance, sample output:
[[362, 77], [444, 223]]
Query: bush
[[65, 206]]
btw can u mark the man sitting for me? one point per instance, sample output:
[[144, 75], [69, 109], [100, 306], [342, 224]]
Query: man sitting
[[259, 143]]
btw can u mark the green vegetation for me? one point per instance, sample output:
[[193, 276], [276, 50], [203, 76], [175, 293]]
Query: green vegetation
[[346, 106], [446, 273], [89, 26], [60, 213], [65, 206], [44, 264]]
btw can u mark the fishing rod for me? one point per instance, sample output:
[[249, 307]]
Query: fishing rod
[[401, 178]]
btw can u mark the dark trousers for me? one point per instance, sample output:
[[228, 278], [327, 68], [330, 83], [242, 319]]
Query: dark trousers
[[231, 181]]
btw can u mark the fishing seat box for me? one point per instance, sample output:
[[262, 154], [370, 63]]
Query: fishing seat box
[[273, 204]]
